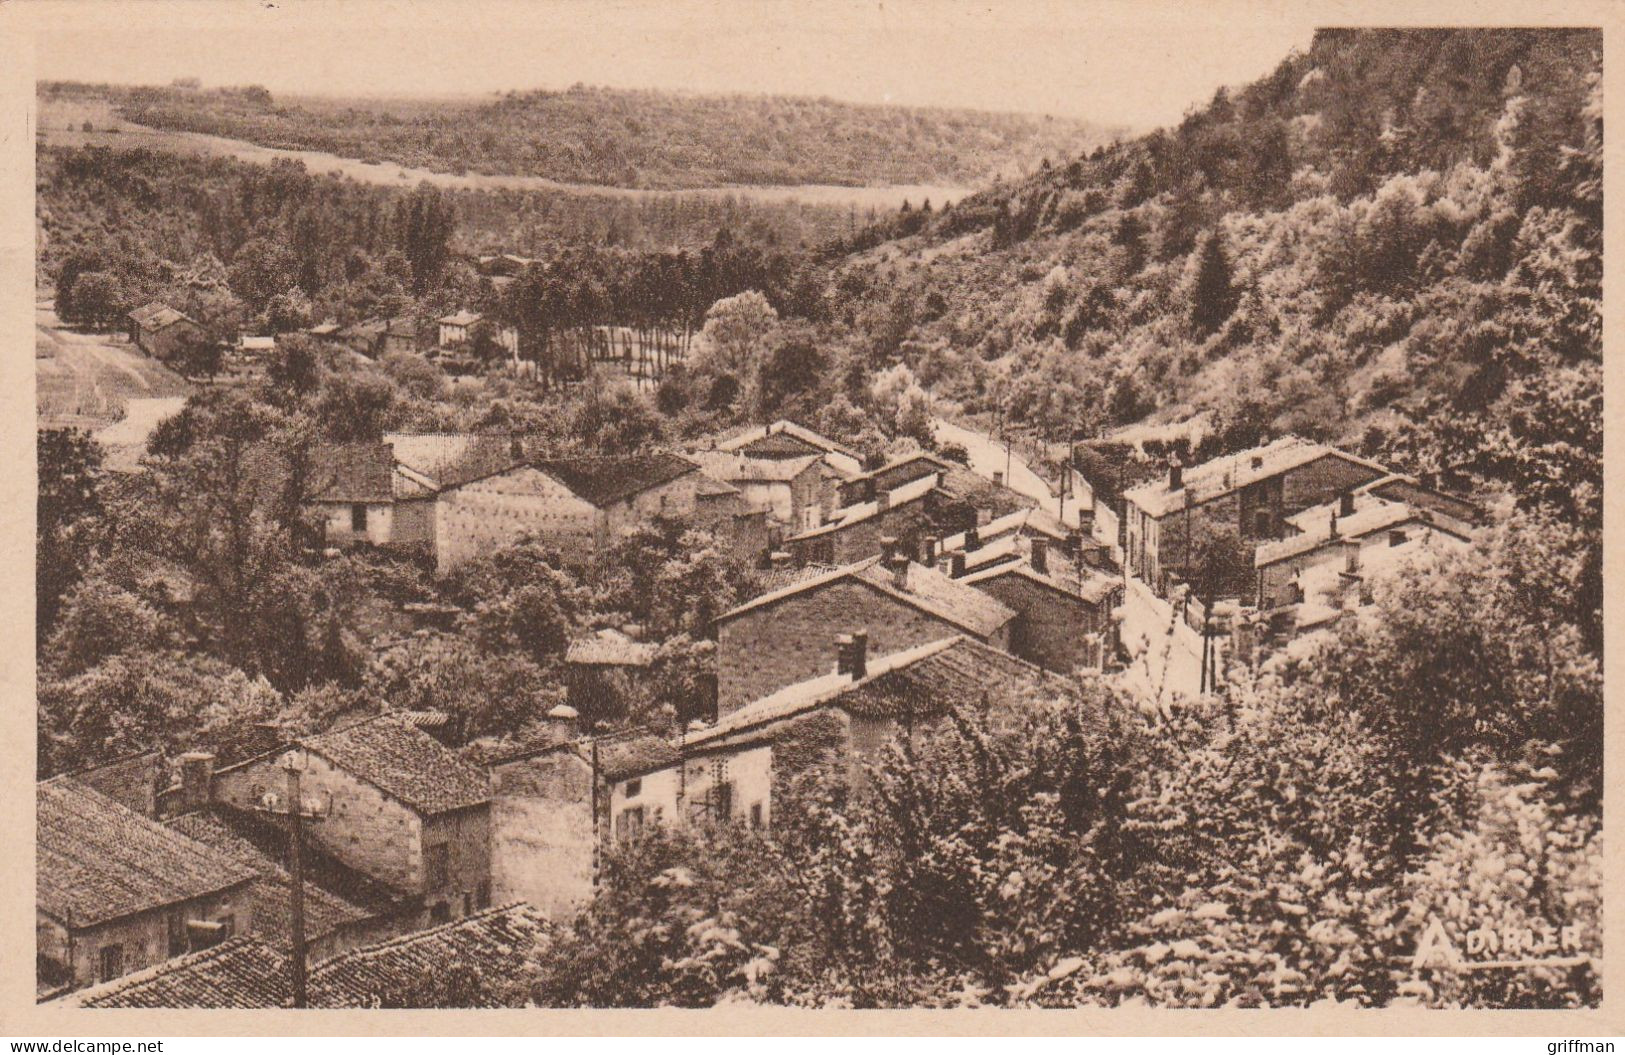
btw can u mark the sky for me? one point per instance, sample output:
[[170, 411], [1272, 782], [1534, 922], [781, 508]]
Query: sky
[[1137, 64]]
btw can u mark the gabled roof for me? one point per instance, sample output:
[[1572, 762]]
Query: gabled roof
[[786, 428], [453, 458], [1221, 476], [735, 467], [927, 590], [462, 317], [621, 757], [240, 972], [498, 942], [324, 911], [352, 472], [604, 480], [1085, 584], [961, 484], [156, 316], [858, 512], [97, 861], [407, 764], [245, 972], [609, 648], [923, 681], [1363, 522]]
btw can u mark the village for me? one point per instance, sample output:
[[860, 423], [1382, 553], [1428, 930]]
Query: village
[[893, 592]]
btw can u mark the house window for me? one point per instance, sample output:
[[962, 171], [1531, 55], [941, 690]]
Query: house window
[[725, 800], [756, 815], [112, 962], [468, 903], [440, 913], [482, 896], [358, 517], [634, 787], [178, 938], [1396, 538], [437, 864], [631, 823], [1261, 523]]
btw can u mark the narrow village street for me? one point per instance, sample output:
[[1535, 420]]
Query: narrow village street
[[988, 456]]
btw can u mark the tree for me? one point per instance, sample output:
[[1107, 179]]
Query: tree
[[424, 222], [287, 312], [735, 338], [69, 505], [1211, 298], [197, 355], [98, 301], [260, 269]]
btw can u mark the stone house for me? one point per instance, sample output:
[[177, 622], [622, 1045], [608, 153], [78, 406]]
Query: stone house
[[360, 493], [543, 829], [1342, 533], [731, 771], [577, 504], [797, 493], [854, 532], [1063, 609], [160, 331], [1252, 493], [118, 892], [786, 439], [457, 332], [895, 473], [780, 638], [603, 670], [402, 808]]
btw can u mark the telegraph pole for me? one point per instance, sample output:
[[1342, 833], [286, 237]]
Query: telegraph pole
[[294, 813]]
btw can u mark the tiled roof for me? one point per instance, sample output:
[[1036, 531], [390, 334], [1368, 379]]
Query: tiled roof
[[857, 513], [960, 483], [1083, 583], [926, 589], [405, 763], [240, 972], [923, 681], [605, 480], [324, 910], [497, 942], [97, 860], [1362, 523], [453, 458], [245, 972], [609, 648], [775, 579], [1222, 476], [156, 316], [632, 756], [789, 429], [735, 467], [352, 472]]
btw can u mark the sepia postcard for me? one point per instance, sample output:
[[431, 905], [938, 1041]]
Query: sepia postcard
[[806, 517]]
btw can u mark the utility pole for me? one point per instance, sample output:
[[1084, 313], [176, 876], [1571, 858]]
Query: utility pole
[[294, 813]]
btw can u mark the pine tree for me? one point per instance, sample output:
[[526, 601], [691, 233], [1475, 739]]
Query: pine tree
[[1212, 299]]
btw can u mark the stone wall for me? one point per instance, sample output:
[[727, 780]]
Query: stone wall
[[476, 518], [542, 833]]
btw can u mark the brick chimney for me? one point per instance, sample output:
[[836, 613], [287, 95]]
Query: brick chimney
[[779, 559], [852, 654], [956, 568], [1333, 528], [1040, 556], [928, 550], [888, 549], [882, 501], [197, 779], [1345, 504], [899, 571], [1176, 473], [1351, 556], [973, 540], [562, 719]]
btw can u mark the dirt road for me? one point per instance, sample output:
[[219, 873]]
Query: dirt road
[[85, 379]]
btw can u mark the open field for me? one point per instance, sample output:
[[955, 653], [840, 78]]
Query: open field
[[60, 122], [86, 379]]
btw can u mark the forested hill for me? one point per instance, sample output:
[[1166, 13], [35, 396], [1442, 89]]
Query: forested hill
[[652, 139], [1392, 241]]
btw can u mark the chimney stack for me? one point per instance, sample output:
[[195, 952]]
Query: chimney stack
[[957, 567], [1345, 504], [779, 559], [843, 653], [888, 549], [516, 446], [1333, 525], [998, 477], [1176, 473], [563, 719], [899, 571], [1351, 556], [973, 540], [882, 501], [197, 779], [852, 654], [928, 551], [1040, 555]]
